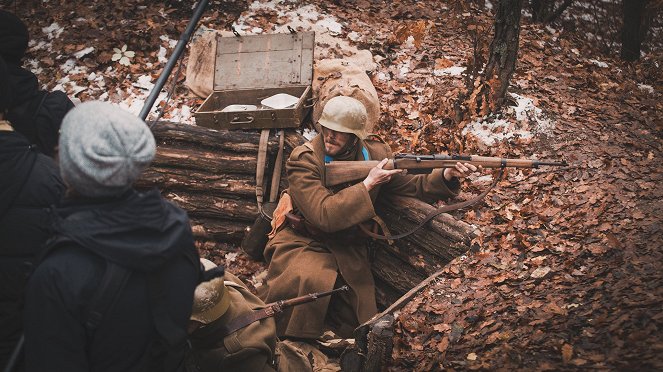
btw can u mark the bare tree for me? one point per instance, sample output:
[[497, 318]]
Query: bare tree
[[632, 34], [488, 90]]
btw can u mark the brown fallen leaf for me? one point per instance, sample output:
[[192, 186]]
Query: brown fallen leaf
[[567, 353]]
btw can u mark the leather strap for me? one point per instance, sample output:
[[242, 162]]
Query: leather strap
[[276, 176], [248, 318], [433, 214], [260, 166]]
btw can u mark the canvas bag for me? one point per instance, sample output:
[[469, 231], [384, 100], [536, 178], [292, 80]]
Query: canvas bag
[[337, 77]]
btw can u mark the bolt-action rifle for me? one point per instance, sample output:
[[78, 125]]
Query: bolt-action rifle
[[338, 172], [273, 309]]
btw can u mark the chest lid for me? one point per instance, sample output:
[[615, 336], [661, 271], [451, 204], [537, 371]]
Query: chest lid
[[264, 61]]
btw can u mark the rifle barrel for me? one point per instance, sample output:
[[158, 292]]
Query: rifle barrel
[[177, 52]]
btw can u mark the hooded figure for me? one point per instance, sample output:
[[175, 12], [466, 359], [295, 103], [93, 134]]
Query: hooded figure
[[114, 291], [29, 183], [35, 113]]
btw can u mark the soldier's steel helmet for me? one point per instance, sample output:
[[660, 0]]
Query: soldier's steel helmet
[[211, 299], [344, 114]]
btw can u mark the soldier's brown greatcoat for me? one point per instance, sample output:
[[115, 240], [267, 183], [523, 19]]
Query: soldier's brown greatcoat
[[300, 264]]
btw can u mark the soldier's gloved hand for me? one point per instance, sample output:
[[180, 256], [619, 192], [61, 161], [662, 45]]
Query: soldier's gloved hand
[[377, 175], [461, 170]]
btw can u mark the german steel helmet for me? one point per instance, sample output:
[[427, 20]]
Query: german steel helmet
[[344, 114], [210, 299]]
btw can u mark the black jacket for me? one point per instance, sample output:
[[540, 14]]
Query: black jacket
[[35, 113], [29, 184], [139, 231]]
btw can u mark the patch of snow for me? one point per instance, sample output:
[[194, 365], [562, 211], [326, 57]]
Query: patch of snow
[[354, 36], [309, 134], [451, 71], [409, 43], [489, 5], [82, 53], [144, 82], [135, 101], [526, 110], [575, 51], [33, 65], [330, 24], [551, 30], [171, 42], [70, 87], [182, 114], [492, 130], [599, 63], [327, 28], [70, 67], [41, 45], [53, 31], [161, 56], [404, 69], [383, 77], [647, 88]]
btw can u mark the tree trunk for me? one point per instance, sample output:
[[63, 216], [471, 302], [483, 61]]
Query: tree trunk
[[631, 35], [490, 89]]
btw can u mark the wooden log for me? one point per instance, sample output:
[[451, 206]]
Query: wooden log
[[217, 230], [211, 174], [215, 207], [175, 179]]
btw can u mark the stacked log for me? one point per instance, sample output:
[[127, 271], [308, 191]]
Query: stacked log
[[210, 174]]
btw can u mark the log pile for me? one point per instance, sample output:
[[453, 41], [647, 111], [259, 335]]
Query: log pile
[[211, 174]]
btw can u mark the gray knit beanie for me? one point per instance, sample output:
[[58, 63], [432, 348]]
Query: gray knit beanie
[[103, 149]]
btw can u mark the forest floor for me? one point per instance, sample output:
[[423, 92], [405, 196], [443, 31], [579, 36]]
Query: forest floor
[[569, 273]]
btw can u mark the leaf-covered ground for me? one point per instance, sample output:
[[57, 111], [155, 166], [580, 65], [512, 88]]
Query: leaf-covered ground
[[569, 273]]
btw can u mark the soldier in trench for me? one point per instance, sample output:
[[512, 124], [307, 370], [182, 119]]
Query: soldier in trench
[[315, 244]]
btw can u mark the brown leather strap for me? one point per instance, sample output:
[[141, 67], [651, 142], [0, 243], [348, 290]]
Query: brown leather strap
[[431, 215], [276, 176], [260, 166], [248, 318]]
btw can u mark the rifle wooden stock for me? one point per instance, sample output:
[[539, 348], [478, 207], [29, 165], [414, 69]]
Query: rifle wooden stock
[[338, 172]]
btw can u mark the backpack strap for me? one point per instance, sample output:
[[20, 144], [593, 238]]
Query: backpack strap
[[112, 283], [165, 326]]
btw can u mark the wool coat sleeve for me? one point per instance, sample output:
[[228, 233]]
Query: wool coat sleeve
[[427, 187], [327, 211]]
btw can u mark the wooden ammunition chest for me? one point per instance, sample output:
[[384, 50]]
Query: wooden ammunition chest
[[251, 68]]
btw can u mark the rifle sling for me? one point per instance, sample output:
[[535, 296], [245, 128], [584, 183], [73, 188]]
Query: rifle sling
[[260, 166], [433, 214], [246, 319]]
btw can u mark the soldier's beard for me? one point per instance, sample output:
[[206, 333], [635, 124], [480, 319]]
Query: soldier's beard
[[347, 149]]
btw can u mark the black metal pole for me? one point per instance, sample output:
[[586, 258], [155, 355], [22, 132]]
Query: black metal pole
[[179, 48]]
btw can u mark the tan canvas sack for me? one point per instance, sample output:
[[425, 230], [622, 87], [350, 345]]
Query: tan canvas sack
[[337, 77]]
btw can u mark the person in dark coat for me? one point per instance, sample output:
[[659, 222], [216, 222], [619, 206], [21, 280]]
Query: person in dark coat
[[35, 113], [29, 183], [114, 291]]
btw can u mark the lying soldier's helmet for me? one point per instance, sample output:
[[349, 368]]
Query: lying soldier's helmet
[[211, 299], [344, 114]]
